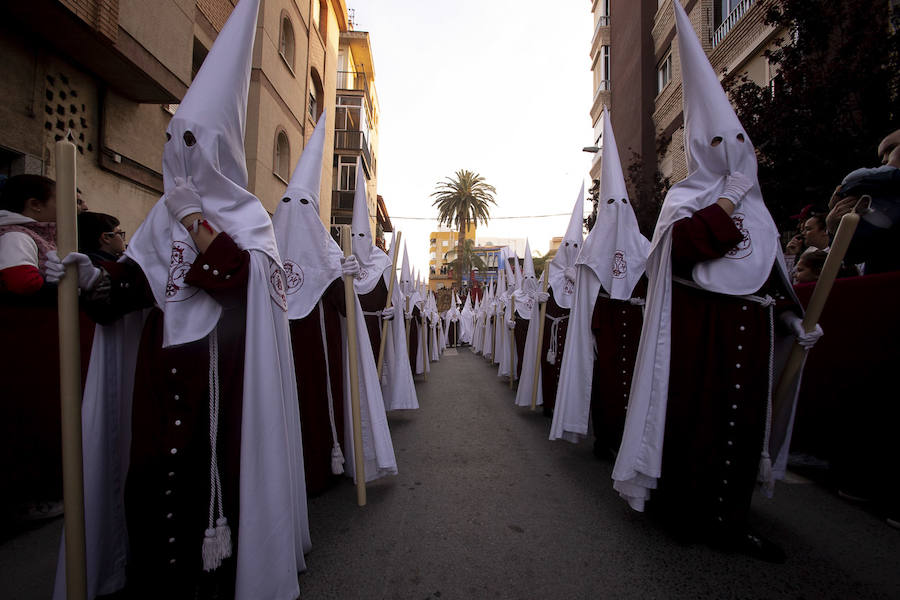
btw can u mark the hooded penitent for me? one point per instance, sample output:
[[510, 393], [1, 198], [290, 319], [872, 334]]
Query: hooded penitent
[[563, 288], [397, 383], [311, 257], [205, 147], [716, 145], [527, 285], [372, 261], [611, 261]]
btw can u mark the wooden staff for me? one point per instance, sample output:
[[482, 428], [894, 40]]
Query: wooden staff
[[512, 342], [408, 323], [389, 303], [350, 302], [70, 374], [540, 342], [842, 238]]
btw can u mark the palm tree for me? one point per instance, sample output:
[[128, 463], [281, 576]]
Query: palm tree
[[463, 202], [469, 259]]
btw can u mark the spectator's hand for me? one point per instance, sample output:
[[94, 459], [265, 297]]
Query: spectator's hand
[[569, 273], [541, 296], [736, 187], [350, 266], [841, 208], [795, 246], [804, 338], [88, 274], [183, 199]]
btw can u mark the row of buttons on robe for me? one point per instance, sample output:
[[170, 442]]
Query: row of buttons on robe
[[215, 272], [731, 422], [170, 478]]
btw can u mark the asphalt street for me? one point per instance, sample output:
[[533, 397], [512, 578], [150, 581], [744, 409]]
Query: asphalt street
[[484, 506]]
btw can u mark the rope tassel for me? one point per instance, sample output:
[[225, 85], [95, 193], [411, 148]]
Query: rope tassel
[[337, 457], [217, 537]]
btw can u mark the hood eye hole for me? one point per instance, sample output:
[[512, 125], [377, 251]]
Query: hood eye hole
[[624, 201], [285, 199], [362, 235], [189, 139], [716, 141], [567, 243], [611, 200], [168, 136], [304, 201], [740, 137]]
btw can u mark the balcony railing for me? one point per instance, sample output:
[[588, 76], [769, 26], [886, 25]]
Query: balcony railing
[[728, 22], [603, 21], [353, 140], [352, 80]]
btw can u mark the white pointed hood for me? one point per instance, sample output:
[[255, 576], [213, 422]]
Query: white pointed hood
[[567, 254], [614, 249], [527, 287], [707, 115], [406, 280], [311, 257], [372, 261], [211, 118]]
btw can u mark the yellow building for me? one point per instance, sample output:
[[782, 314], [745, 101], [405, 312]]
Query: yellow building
[[442, 251], [115, 78]]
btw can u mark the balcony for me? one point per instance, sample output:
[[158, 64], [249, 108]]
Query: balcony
[[729, 22], [352, 80], [354, 140], [342, 200]]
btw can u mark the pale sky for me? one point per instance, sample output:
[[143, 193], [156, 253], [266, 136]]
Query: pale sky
[[499, 87]]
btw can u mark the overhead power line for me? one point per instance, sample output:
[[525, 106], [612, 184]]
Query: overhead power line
[[491, 219]]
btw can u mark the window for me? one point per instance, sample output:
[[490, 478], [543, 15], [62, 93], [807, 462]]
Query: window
[[316, 12], [664, 73], [445, 243], [282, 163], [286, 44], [723, 8], [604, 68], [603, 19], [347, 174], [316, 94]]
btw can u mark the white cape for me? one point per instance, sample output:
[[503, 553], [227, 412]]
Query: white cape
[[529, 357]]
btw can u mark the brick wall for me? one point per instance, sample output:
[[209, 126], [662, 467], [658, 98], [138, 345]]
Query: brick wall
[[102, 15], [217, 11]]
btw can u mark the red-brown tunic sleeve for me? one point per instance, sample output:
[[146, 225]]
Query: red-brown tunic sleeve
[[707, 234], [222, 271]]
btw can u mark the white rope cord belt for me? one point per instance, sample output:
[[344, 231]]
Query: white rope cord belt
[[217, 537], [554, 333], [337, 457], [372, 313], [765, 463]]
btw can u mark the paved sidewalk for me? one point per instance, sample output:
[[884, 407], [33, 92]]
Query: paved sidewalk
[[484, 506]]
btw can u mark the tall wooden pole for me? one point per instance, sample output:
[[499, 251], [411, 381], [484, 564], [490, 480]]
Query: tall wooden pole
[[352, 350], [423, 339], [842, 238], [389, 303], [540, 341], [70, 375]]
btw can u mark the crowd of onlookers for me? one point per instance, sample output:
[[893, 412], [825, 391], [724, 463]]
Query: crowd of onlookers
[[873, 248]]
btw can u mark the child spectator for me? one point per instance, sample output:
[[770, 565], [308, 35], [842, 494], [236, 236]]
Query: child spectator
[[27, 232]]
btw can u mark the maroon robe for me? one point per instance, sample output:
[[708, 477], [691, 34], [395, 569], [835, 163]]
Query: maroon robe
[[167, 490], [414, 338], [374, 302], [309, 365], [520, 335], [550, 372], [718, 383], [616, 325]]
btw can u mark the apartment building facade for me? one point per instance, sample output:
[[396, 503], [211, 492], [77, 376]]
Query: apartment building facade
[[110, 74], [637, 71], [356, 133]]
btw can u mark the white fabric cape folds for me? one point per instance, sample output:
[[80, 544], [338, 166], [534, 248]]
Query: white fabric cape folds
[[378, 449], [272, 539], [523, 394], [397, 385]]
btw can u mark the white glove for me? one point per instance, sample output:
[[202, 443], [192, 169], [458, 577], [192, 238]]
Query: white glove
[[541, 296], [388, 315], [569, 272], [350, 266], [736, 187], [795, 323], [183, 199], [510, 324], [88, 274]]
